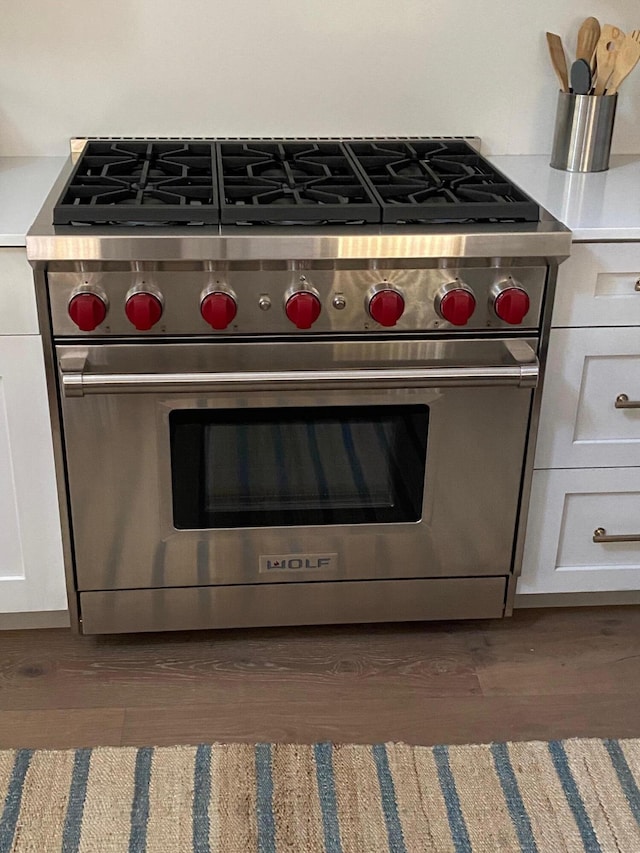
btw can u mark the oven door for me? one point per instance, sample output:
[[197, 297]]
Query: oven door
[[248, 463]]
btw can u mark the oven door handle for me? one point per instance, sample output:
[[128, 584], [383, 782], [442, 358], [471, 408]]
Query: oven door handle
[[77, 384]]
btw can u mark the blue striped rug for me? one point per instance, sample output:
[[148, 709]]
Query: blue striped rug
[[570, 796]]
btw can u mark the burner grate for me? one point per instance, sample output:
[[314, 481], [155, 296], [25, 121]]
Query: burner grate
[[292, 182], [287, 182], [422, 182], [157, 182]]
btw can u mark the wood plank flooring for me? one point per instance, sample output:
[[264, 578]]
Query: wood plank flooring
[[541, 674]]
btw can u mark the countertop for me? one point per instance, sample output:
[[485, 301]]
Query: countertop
[[24, 184], [596, 206]]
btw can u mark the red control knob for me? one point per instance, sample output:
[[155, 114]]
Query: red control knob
[[218, 309], [303, 309], [457, 306], [512, 305], [143, 310], [386, 307], [87, 310]]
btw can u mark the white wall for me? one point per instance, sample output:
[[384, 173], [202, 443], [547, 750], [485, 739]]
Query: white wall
[[291, 67]]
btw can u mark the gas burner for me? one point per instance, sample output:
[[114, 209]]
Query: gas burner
[[287, 183], [162, 181], [293, 183], [433, 181]]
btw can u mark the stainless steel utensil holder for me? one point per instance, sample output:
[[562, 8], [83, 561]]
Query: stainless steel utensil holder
[[583, 131]]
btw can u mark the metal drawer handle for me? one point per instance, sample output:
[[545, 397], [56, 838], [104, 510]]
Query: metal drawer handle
[[638, 285], [623, 402], [600, 535]]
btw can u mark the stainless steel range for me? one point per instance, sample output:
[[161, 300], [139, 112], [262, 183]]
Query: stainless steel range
[[291, 381]]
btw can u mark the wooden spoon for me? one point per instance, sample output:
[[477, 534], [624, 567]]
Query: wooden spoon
[[588, 36], [558, 60], [626, 60], [610, 42]]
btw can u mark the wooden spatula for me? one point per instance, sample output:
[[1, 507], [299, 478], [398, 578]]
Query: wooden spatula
[[588, 36], [558, 60], [610, 41], [626, 60]]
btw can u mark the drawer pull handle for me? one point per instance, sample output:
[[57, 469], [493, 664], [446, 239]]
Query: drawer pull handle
[[600, 535], [638, 285], [623, 402]]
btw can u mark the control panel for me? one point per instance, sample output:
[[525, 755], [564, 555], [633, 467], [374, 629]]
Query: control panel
[[276, 301]]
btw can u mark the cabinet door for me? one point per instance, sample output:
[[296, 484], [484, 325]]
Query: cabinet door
[[580, 425], [31, 565], [567, 508], [17, 294], [599, 285]]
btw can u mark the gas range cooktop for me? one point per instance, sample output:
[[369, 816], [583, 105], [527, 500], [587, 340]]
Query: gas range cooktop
[[287, 182]]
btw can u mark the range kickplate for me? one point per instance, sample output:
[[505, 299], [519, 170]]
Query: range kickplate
[[289, 183], [433, 181], [141, 182]]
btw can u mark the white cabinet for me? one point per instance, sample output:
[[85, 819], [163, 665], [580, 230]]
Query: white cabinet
[[587, 475], [17, 298], [568, 506], [599, 285], [581, 425], [31, 564]]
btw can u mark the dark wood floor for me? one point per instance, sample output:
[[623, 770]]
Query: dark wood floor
[[542, 674]]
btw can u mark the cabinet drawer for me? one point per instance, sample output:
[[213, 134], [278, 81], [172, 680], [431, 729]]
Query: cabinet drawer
[[599, 285], [580, 425], [17, 294], [567, 507]]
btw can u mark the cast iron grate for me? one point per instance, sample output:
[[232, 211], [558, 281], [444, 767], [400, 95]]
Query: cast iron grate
[[287, 182], [281, 182], [435, 181], [131, 182]]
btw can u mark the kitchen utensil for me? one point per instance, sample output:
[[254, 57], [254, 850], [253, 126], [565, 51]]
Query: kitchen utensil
[[581, 77], [626, 60], [611, 39], [558, 60], [588, 36]]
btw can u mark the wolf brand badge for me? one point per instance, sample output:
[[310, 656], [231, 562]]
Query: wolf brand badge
[[298, 562]]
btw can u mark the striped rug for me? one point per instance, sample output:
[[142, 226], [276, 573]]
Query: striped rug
[[570, 796]]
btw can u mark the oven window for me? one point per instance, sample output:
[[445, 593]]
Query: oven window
[[285, 467]]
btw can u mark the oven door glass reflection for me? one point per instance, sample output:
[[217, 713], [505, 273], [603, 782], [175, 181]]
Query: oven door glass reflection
[[293, 467]]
